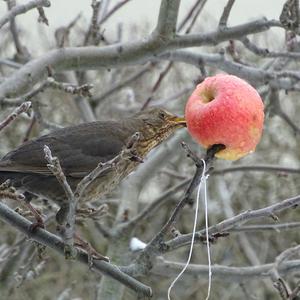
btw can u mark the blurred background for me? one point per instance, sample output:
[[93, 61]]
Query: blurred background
[[122, 91]]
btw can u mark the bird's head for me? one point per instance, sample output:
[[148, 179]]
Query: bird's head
[[156, 125]]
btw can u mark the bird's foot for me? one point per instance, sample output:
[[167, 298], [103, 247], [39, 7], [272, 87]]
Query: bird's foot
[[91, 212], [37, 224], [134, 156], [92, 253], [10, 192]]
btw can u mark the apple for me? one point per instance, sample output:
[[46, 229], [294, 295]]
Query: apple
[[225, 109]]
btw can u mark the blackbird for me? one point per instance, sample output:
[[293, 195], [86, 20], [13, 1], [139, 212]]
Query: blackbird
[[80, 149]]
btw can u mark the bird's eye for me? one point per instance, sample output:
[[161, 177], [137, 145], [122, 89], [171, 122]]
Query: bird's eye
[[162, 115]]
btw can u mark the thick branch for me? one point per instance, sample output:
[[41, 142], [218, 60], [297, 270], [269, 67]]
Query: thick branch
[[50, 240], [257, 76], [167, 19], [91, 58]]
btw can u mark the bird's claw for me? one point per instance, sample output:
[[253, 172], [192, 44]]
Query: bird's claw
[[39, 223]]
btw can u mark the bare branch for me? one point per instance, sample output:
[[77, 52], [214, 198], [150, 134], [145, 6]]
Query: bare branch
[[167, 19], [113, 10], [157, 84], [283, 288], [24, 107], [69, 231], [94, 26], [275, 108], [158, 238], [236, 221], [10, 63], [82, 90], [116, 55], [266, 227], [156, 204], [225, 273], [195, 7], [265, 52], [258, 76], [50, 240], [225, 14], [122, 84], [22, 9], [195, 17], [22, 51], [256, 168]]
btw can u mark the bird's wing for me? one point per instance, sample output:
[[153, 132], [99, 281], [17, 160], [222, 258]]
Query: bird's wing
[[79, 149]]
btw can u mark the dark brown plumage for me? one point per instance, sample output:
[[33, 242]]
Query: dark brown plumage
[[80, 148]]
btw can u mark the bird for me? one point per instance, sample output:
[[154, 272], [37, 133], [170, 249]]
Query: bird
[[80, 148]]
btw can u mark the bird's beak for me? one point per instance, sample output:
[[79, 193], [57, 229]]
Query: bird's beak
[[179, 120]]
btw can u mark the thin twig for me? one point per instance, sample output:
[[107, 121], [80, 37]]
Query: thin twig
[[94, 26], [42, 16], [112, 11], [118, 86], [257, 168], [22, 9], [230, 274], [189, 14], [157, 239], [275, 108], [157, 84], [24, 107], [279, 283], [265, 52], [10, 63], [195, 17], [265, 227], [156, 204], [82, 90], [21, 50], [225, 14]]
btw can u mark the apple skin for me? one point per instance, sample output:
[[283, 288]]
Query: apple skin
[[225, 109]]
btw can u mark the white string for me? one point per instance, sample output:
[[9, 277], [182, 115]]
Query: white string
[[203, 178], [207, 239]]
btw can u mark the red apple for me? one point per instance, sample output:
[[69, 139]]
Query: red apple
[[225, 109]]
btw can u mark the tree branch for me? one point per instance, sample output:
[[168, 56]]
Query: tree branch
[[22, 9], [91, 58], [225, 14], [229, 274], [50, 240], [234, 222], [24, 107], [167, 19]]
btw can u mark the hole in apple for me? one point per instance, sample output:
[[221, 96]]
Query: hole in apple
[[208, 95]]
